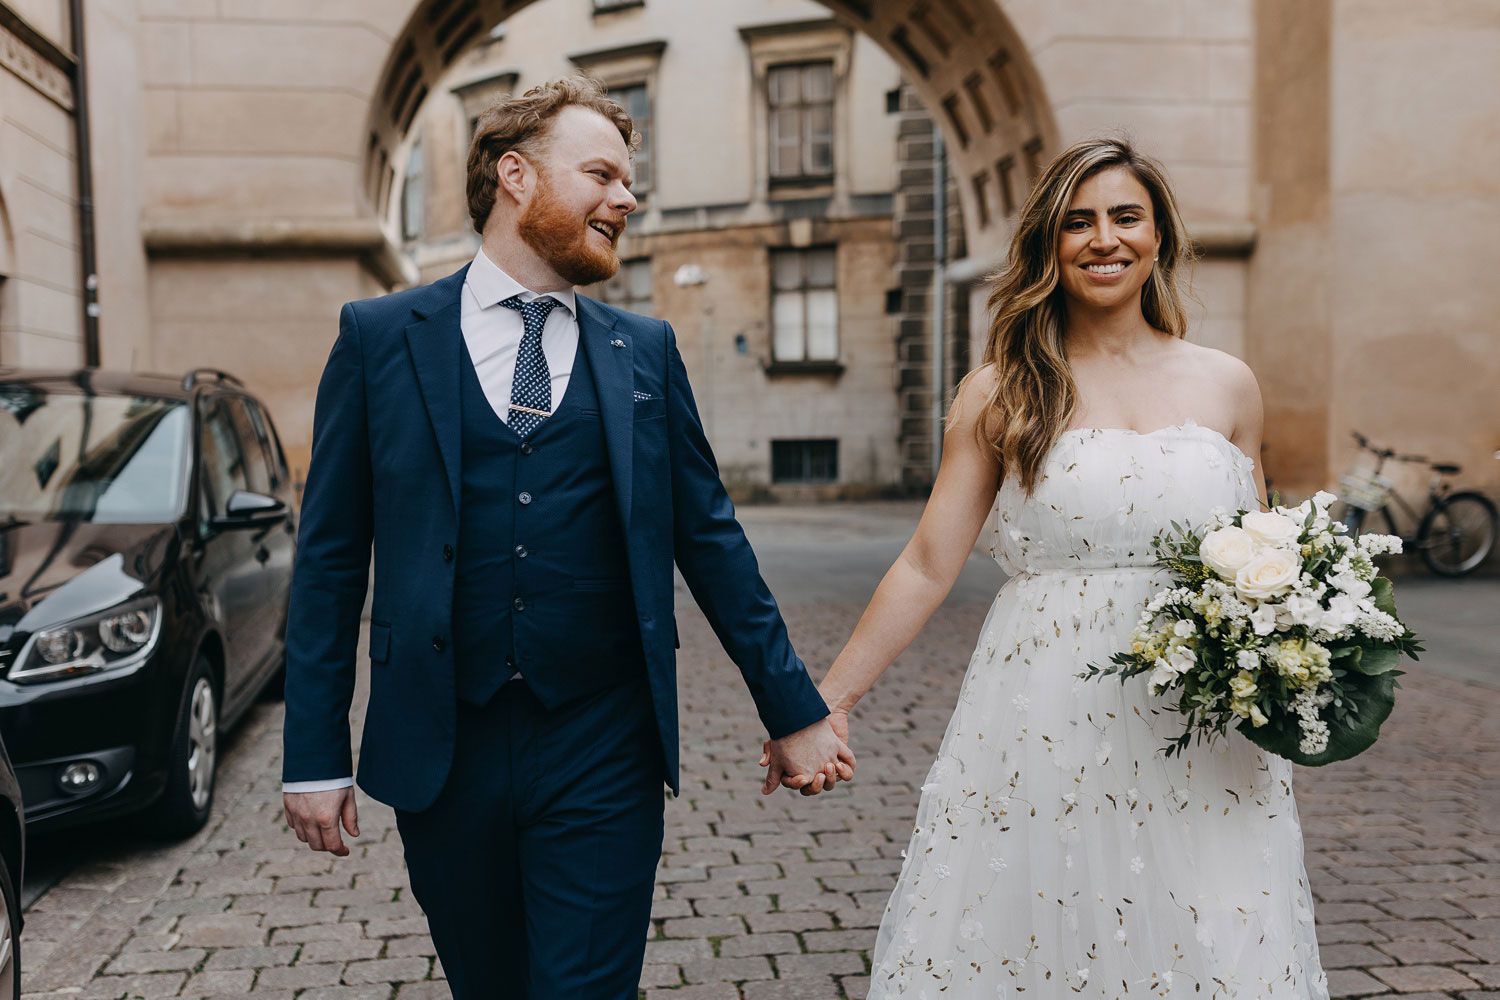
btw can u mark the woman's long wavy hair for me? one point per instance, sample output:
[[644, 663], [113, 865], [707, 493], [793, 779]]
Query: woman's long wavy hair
[[1035, 397]]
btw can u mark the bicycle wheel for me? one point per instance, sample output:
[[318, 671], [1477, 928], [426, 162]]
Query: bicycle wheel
[[1458, 534]]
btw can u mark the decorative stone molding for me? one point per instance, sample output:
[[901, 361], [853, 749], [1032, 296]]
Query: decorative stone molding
[[282, 238], [817, 40], [34, 59]]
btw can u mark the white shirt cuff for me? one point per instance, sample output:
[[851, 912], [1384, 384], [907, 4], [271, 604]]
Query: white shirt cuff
[[326, 785]]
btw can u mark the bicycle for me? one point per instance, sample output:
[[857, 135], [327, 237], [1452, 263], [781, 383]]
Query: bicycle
[[1454, 534]]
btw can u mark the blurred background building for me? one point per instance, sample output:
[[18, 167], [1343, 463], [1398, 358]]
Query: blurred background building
[[255, 163]]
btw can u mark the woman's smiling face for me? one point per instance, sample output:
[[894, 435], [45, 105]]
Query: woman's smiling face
[[1108, 241]]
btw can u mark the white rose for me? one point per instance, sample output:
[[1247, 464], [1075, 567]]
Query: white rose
[[1226, 550], [1269, 574], [1271, 528]]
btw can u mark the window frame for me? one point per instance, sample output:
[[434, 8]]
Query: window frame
[[807, 174], [808, 459], [804, 364]]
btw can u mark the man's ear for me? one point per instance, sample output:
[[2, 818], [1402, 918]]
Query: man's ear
[[514, 176]]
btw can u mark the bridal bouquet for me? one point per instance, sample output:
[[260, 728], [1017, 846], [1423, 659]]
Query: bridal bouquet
[[1277, 622]]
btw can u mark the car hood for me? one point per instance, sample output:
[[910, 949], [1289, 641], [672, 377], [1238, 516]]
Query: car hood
[[51, 571]]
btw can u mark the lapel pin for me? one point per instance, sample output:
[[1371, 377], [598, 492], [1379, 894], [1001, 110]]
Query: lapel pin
[[617, 343]]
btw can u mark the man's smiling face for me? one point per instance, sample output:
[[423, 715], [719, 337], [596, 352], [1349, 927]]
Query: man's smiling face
[[576, 213]]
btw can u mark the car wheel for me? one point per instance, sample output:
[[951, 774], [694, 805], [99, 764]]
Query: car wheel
[[189, 796], [10, 938]]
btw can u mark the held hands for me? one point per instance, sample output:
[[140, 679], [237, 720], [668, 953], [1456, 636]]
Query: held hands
[[810, 760], [315, 818]]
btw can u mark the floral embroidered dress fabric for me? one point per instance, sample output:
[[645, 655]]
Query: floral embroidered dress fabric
[[1057, 851]]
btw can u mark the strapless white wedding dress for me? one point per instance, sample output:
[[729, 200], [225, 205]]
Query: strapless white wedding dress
[[1057, 851]]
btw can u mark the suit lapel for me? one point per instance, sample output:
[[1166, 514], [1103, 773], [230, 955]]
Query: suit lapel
[[435, 342], [611, 358]]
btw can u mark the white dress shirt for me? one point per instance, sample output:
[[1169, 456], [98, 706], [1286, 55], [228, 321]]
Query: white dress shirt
[[492, 334]]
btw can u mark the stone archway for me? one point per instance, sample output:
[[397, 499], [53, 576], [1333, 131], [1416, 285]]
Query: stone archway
[[963, 58]]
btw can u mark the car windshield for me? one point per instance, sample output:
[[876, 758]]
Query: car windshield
[[76, 456]]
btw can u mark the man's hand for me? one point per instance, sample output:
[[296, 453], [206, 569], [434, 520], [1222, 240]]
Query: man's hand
[[315, 818], [810, 759]]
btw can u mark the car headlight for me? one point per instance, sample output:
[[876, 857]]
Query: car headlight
[[107, 640]]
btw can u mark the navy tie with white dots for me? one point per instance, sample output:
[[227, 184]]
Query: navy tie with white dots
[[531, 391]]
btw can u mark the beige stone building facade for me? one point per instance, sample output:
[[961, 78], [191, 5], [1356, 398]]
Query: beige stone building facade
[[1335, 159], [764, 176], [41, 263]]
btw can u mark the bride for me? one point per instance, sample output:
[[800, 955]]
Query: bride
[[1056, 849]]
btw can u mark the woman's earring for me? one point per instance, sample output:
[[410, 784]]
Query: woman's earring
[[1156, 257]]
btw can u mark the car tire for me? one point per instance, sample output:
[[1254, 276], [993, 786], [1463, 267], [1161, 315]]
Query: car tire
[[189, 796], [10, 946]]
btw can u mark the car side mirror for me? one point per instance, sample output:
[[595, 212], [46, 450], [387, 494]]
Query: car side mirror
[[247, 509]]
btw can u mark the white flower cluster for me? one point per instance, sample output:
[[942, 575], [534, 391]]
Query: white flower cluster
[[1287, 584], [1308, 704]]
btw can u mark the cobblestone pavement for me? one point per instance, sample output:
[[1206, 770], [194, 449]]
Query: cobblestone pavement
[[762, 898]]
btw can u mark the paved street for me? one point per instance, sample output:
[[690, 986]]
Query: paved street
[[779, 898]]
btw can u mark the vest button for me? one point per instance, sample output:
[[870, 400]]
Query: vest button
[[439, 644], [447, 553], [526, 448], [518, 604], [525, 499], [522, 552]]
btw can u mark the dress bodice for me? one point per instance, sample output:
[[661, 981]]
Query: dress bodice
[[1107, 492]]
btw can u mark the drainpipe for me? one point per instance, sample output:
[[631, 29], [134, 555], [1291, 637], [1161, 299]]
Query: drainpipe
[[85, 191], [939, 289]]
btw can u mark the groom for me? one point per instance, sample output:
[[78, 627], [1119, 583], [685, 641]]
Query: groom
[[528, 464]]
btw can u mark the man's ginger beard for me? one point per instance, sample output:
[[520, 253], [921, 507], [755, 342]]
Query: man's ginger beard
[[561, 239]]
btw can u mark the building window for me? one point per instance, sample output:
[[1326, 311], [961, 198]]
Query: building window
[[413, 195], [804, 306], [812, 461], [630, 288], [801, 125], [637, 105]]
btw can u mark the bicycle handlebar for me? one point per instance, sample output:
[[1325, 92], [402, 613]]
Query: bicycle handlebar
[[1365, 444]]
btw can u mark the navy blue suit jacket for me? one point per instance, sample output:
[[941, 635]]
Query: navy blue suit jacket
[[385, 469]]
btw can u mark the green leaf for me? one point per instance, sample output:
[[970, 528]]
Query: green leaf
[[1370, 699], [1375, 659], [1383, 593]]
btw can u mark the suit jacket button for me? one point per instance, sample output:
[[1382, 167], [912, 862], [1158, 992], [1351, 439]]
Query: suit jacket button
[[439, 644], [518, 604], [525, 499], [447, 553], [522, 552], [526, 448]]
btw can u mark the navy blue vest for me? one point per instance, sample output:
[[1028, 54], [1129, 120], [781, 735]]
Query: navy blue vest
[[543, 582]]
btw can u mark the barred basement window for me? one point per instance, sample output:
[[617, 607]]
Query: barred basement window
[[808, 461]]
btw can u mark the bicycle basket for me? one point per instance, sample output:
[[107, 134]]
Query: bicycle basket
[[1365, 491]]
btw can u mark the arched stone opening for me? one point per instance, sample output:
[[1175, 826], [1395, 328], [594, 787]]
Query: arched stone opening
[[963, 58]]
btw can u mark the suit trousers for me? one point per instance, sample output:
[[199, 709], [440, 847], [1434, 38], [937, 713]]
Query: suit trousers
[[536, 864]]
